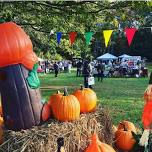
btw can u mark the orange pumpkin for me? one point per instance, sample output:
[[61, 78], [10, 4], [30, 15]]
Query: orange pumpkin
[[87, 99], [66, 108], [16, 46], [124, 139], [46, 112], [55, 97], [1, 122], [128, 125], [97, 146]]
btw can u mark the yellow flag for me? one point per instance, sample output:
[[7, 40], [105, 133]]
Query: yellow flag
[[107, 35]]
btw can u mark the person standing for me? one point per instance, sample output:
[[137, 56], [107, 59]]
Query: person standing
[[79, 67], [100, 69], [86, 73], [69, 66], [56, 69]]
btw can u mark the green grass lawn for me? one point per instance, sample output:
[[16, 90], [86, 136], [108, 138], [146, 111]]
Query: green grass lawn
[[123, 96]]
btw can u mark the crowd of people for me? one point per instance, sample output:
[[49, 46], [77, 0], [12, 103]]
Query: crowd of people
[[55, 67], [99, 69], [116, 68]]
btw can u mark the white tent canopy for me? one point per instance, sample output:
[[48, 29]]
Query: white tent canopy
[[125, 56], [107, 56], [40, 59]]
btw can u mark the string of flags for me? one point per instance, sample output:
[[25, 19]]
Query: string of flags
[[129, 32]]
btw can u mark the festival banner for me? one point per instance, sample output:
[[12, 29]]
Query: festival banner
[[130, 32], [107, 35], [72, 36], [88, 37], [59, 35]]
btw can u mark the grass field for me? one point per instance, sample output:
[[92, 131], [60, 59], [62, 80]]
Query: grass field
[[123, 96]]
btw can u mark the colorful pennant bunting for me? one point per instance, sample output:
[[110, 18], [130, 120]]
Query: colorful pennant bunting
[[59, 35], [88, 37], [130, 32], [107, 35], [72, 36]]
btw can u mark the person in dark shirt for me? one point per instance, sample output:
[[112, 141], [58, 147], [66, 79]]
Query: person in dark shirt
[[56, 69], [86, 73], [79, 68], [100, 69]]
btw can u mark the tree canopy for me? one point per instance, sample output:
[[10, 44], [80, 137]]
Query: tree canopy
[[42, 19]]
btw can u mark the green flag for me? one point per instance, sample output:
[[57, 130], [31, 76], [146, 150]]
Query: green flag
[[88, 37]]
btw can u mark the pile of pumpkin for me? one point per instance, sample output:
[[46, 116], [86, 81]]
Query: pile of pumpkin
[[65, 107], [124, 139]]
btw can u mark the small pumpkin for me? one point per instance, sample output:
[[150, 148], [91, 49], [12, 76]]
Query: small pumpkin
[[66, 108], [46, 112], [97, 146], [128, 125], [124, 139], [54, 97], [87, 98]]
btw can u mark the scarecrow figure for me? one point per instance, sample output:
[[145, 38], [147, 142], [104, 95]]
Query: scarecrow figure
[[147, 114], [19, 83]]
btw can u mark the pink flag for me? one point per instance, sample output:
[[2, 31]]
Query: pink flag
[[72, 36], [130, 32]]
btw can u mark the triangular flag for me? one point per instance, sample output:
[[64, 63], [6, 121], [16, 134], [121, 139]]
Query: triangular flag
[[107, 35], [72, 36], [59, 35], [88, 37], [130, 32]]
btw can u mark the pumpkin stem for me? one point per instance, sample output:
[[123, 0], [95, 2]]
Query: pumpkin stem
[[150, 80], [65, 91], [81, 87], [124, 127]]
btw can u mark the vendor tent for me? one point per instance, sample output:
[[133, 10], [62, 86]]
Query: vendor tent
[[107, 56], [125, 56], [40, 59]]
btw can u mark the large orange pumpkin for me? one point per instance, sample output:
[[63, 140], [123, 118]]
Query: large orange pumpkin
[[55, 97], [87, 99], [128, 125], [15, 46], [66, 108], [97, 146], [124, 139]]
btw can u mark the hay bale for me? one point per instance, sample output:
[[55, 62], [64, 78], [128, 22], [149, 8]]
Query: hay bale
[[76, 134]]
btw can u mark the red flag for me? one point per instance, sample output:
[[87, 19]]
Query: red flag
[[72, 36], [130, 32]]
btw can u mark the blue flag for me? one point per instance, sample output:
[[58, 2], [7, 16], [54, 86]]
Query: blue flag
[[59, 35]]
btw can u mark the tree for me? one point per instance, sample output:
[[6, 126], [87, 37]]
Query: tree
[[38, 18]]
